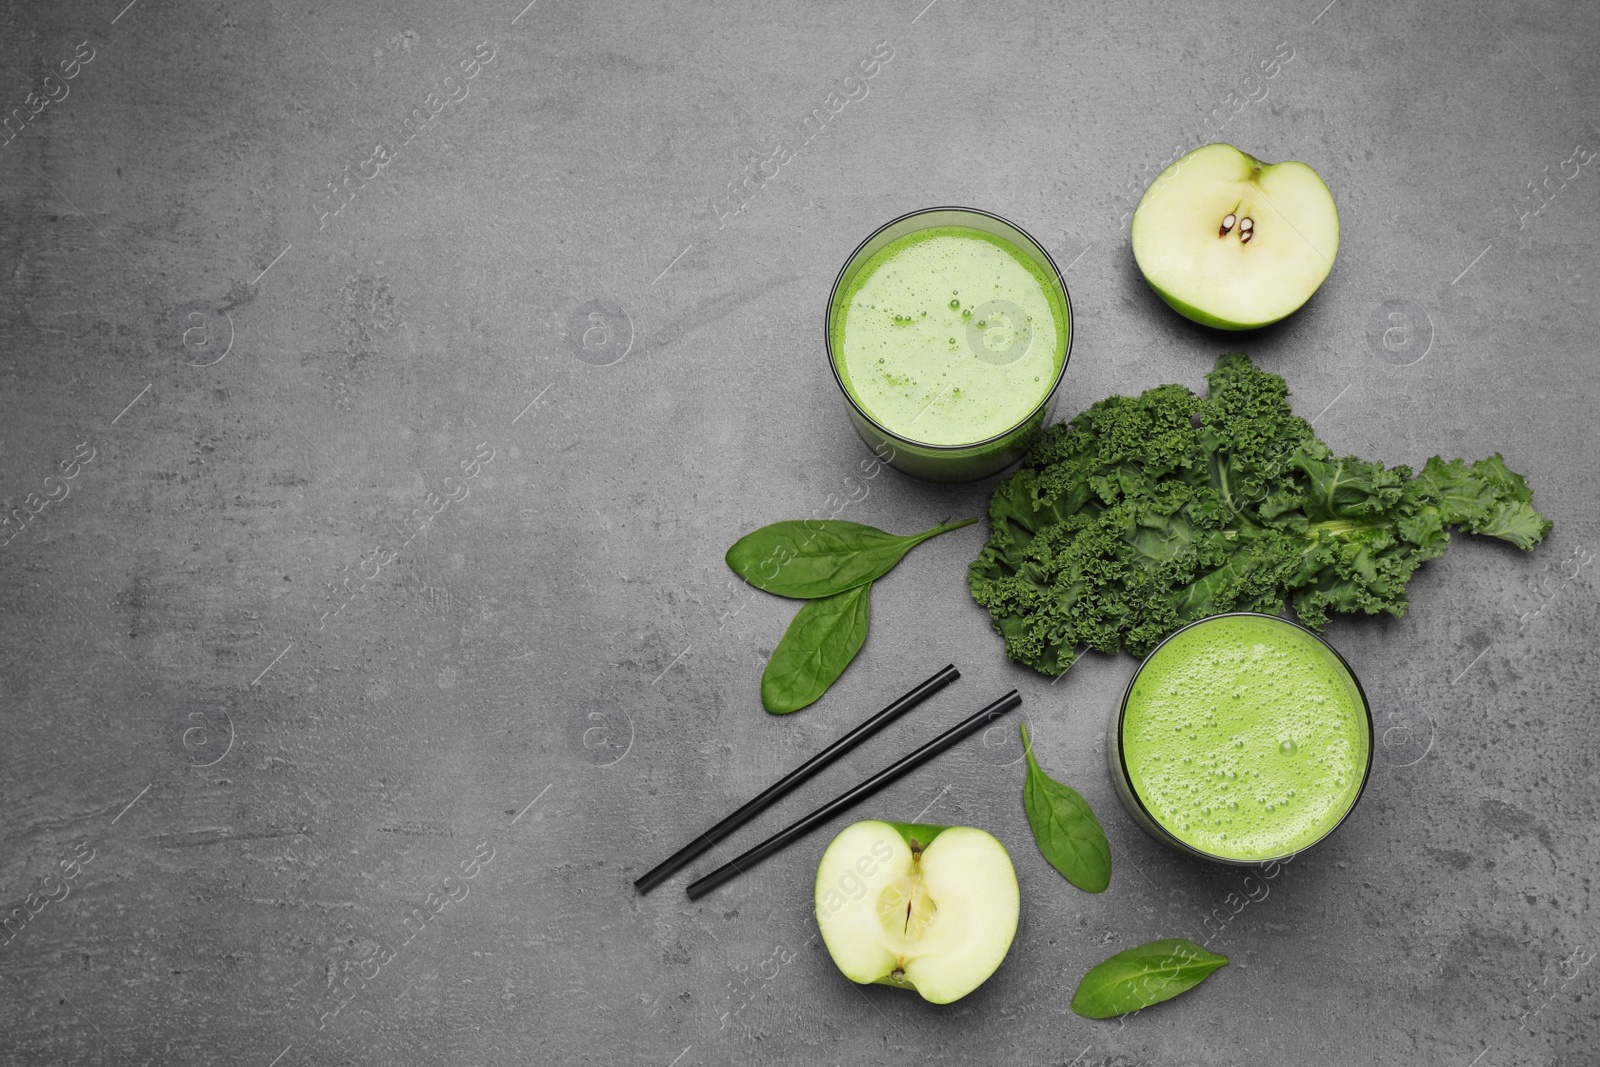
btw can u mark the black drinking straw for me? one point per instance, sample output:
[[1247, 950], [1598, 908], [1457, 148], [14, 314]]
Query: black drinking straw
[[684, 856], [782, 839]]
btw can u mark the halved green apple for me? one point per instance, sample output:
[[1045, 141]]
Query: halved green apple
[[1232, 242], [927, 908]]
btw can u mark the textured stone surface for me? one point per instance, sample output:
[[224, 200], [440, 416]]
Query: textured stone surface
[[271, 769]]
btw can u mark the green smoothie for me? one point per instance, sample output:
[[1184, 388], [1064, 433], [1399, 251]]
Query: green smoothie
[[1245, 737], [949, 336]]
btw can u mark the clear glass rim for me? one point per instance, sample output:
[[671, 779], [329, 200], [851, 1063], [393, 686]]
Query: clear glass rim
[[1366, 709], [833, 365]]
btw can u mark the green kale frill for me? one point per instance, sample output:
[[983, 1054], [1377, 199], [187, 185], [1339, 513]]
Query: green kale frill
[[1143, 514]]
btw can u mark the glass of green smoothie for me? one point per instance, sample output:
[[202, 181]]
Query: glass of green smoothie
[[1243, 738], [948, 332]]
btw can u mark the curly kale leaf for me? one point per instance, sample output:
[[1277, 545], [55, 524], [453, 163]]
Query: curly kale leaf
[[1145, 513]]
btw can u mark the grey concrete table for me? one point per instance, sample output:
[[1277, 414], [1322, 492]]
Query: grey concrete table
[[382, 385]]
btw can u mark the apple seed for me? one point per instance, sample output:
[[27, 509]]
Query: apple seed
[[1227, 225]]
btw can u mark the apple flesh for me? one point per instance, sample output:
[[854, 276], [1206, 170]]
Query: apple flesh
[[1232, 242], [927, 908]]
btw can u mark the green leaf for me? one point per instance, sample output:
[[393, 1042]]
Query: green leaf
[[1065, 827], [810, 558], [1145, 513], [1140, 977], [819, 644], [1486, 499]]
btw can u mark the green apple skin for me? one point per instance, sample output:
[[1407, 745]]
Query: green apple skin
[[1323, 224], [941, 951], [1194, 314]]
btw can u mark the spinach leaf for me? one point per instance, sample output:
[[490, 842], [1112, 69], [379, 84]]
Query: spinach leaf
[[1140, 977], [809, 558], [1065, 827], [819, 644]]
